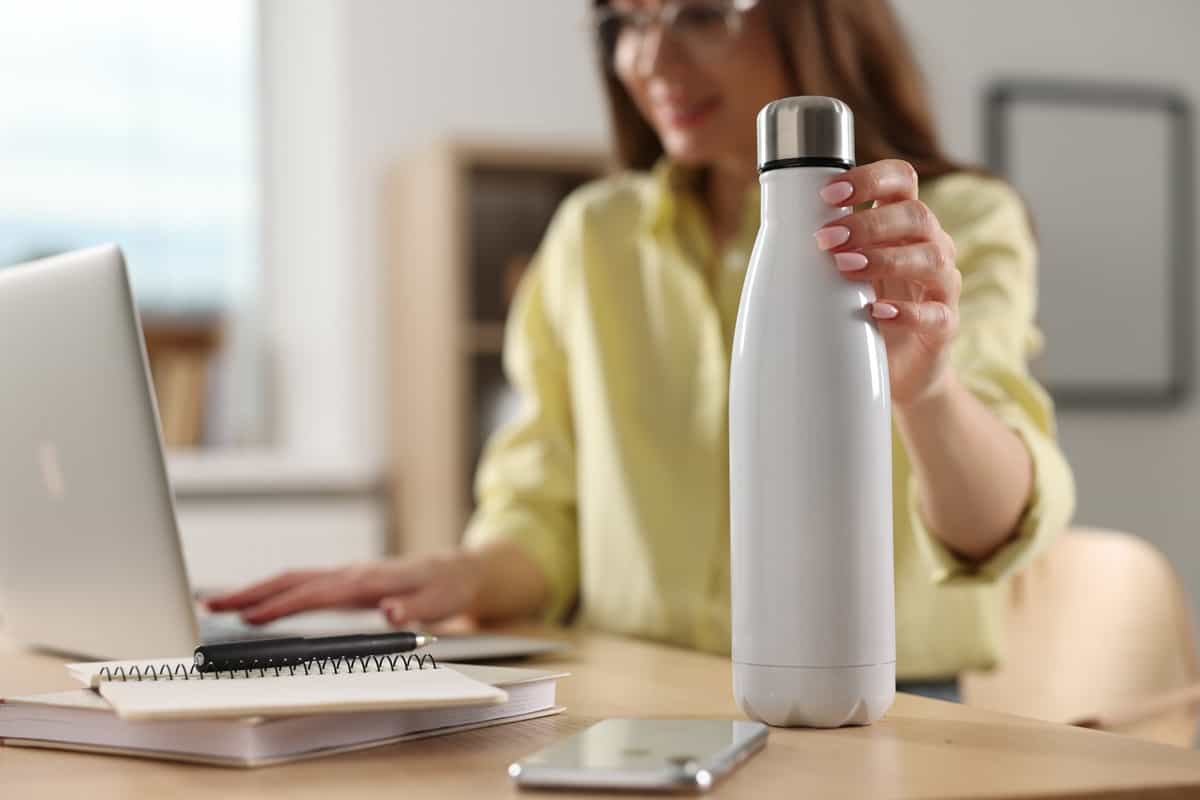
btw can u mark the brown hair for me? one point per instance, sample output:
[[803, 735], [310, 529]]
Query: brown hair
[[855, 51]]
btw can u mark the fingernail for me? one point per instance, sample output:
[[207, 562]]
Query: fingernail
[[837, 193], [829, 238], [850, 262], [884, 311]]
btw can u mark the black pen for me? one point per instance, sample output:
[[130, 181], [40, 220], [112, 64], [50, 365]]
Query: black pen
[[296, 650]]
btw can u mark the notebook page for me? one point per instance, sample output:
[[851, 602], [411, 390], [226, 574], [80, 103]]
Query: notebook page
[[289, 695]]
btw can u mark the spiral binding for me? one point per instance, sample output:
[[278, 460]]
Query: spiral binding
[[319, 666]]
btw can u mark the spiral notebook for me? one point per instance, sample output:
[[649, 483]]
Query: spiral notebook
[[175, 689], [84, 720]]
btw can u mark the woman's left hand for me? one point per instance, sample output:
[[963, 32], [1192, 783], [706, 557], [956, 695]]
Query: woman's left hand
[[899, 246]]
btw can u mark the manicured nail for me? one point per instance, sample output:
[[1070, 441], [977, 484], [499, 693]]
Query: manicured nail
[[850, 262], [884, 311], [837, 193], [829, 238]]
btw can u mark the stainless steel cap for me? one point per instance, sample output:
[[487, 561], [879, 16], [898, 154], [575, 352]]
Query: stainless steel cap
[[800, 131]]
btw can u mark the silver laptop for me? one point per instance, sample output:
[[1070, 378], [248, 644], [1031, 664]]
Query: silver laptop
[[90, 558]]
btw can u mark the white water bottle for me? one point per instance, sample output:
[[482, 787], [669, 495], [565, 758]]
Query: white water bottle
[[814, 632]]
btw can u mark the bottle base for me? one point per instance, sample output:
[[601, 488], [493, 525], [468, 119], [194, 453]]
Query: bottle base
[[814, 697]]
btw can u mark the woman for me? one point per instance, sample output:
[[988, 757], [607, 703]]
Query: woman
[[611, 489]]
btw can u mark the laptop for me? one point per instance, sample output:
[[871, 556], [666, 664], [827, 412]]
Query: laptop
[[90, 557]]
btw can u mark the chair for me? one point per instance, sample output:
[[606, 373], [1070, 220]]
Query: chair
[[1099, 632]]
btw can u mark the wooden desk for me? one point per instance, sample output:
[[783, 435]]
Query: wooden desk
[[922, 749]]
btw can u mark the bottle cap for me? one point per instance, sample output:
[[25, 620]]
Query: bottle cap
[[805, 132]]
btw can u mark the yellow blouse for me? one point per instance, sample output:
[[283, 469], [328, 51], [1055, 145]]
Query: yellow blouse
[[614, 477]]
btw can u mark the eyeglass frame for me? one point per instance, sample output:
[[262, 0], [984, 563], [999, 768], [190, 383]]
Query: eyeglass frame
[[664, 19]]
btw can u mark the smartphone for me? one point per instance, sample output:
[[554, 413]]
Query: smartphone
[[644, 754]]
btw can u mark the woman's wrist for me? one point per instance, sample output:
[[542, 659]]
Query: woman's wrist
[[974, 473], [473, 569], [504, 582], [934, 400]]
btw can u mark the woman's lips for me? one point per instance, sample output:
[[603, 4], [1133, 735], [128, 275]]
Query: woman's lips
[[685, 117]]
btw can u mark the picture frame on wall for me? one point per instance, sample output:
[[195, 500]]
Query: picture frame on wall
[[1107, 171]]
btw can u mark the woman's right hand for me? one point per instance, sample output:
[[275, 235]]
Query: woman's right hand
[[415, 589]]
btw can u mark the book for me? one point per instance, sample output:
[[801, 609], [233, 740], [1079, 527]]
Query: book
[[85, 720]]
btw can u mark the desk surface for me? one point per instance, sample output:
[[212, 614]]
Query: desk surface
[[921, 749]]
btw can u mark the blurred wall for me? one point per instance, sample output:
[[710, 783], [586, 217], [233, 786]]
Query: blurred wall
[[1137, 471], [515, 70], [350, 90]]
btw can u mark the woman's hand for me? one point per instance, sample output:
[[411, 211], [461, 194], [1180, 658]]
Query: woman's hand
[[899, 246], [422, 588]]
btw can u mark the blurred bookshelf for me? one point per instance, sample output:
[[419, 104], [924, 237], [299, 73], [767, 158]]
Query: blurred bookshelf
[[181, 350], [466, 219], [485, 338]]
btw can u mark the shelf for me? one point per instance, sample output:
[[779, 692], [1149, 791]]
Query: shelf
[[264, 473], [485, 338]]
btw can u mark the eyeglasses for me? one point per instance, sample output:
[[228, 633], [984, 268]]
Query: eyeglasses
[[703, 28]]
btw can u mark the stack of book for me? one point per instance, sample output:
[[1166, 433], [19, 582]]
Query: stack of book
[[255, 717]]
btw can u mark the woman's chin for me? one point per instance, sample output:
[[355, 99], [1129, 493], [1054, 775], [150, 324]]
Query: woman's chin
[[693, 148], [688, 153]]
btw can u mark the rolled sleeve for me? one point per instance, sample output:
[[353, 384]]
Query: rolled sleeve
[[1047, 513], [997, 257]]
